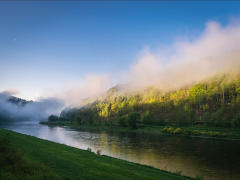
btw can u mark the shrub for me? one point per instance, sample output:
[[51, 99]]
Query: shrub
[[148, 118], [99, 152], [122, 121], [235, 123], [196, 132], [164, 129], [133, 118], [53, 118], [170, 130], [214, 133], [177, 131]]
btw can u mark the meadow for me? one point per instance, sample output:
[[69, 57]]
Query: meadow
[[27, 157]]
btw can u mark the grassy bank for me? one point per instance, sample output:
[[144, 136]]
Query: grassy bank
[[199, 131], [27, 157]]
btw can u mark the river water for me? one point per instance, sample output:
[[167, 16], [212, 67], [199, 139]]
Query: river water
[[208, 158]]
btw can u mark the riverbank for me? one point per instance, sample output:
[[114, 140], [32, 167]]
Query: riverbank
[[192, 131], [34, 158]]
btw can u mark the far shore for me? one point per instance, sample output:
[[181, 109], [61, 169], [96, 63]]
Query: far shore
[[191, 131]]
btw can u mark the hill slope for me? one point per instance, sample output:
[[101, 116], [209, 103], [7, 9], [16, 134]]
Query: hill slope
[[213, 102]]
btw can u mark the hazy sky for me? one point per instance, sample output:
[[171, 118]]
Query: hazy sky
[[47, 46]]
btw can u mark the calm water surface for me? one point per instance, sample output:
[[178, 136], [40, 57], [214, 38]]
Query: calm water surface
[[208, 158]]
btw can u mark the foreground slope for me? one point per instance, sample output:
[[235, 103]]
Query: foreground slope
[[64, 162]]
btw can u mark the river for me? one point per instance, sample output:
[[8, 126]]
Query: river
[[209, 158]]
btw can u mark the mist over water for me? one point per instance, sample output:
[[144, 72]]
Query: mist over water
[[23, 111]]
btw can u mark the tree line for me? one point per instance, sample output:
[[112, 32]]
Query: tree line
[[213, 102]]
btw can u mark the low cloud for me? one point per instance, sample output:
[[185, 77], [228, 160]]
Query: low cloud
[[27, 111], [216, 50], [90, 87]]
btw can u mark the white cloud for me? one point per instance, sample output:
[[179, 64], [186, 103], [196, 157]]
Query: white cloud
[[216, 50], [91, 86]]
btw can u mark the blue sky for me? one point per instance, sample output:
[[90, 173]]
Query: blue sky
[[45, 45]]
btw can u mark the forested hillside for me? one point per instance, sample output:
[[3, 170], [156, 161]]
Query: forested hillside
[[213, 102]]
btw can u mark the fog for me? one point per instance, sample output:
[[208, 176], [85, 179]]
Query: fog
[[89, 88], [216, 50], [33, 111]]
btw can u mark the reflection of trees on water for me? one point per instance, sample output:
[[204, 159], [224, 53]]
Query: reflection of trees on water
[[214, 159]]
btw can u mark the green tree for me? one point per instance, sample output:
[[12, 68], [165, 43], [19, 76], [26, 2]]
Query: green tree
[[53, 118], [122, 121], [148, 118], [236, 121], [78, 118], [133, 118]]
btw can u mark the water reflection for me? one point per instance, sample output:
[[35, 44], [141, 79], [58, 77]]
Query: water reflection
[[213, 159]]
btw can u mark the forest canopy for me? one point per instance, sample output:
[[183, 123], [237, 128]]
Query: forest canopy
[[213, 102]]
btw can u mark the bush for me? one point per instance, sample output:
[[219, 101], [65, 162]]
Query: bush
[[177, 131], [122, 121], [235, 123], [164, 129], [169, 130], [63, 119], [133, 118], [53, 118], [196, 132], [99, 152], [214, 133], [148, 118]]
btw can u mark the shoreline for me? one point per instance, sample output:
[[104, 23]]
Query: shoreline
[[69, 162], [195, 132]]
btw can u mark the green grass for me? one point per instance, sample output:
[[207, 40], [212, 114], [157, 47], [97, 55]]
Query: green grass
[[42, 159]]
